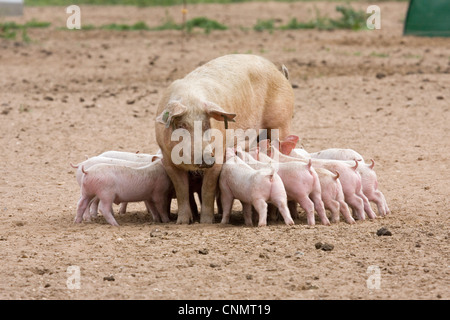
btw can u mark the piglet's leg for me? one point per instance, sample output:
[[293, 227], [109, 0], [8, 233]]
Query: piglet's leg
[[261, 206], [123, 208], [83, 204], [154, 211], [93, 207], [308, 206], [106, 209], [247, 210], [343, 207], [226, 199]]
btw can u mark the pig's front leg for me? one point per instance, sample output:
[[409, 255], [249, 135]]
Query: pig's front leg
[[209, 186], [180, 180]]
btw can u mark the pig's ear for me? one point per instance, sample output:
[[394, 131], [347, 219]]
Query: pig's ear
[[292, 138], [286, 147], [217, 113], [173, 109]]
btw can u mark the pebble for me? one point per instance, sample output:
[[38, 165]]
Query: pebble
[[383, 232], [109, 278], [203, 251], [157, 233], [324, 246]]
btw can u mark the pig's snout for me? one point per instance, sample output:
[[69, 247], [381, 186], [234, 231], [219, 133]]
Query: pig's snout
[[208, 160]]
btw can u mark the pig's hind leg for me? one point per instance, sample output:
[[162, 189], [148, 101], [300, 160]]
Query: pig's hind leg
[[307, 205], [226, 198], [106, 209], [261, 206], [82, 205], [318, 205]]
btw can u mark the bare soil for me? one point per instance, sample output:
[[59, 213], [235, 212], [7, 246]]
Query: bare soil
[[68, 94]]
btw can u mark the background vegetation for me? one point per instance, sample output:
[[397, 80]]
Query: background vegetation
[[157, 2]]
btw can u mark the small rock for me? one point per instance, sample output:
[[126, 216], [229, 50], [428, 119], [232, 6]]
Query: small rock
[[214, 265], [380, 75], [48, 98], [440, 97], [294, 86], [109, 278], [309, 286], [324, 246], [157, 233], [249, 277], [131, 101], [383, 232], [298, 254], [203, 251], [47, 285], [327, 247]]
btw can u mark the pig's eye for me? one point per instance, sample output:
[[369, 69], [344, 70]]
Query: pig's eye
[[180, 125]]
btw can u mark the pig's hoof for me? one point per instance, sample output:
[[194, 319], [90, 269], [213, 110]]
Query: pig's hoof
[[290, 222], [206, 218], [183, 220], [263, 224]]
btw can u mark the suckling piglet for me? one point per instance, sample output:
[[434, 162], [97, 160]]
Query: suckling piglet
[[252, 187], [369, 178], [116, 184], [93, 207], [300, 182]]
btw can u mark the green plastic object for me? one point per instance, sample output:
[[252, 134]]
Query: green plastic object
[[428, 18]]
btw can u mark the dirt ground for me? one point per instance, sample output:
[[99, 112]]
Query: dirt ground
[[68, 94]]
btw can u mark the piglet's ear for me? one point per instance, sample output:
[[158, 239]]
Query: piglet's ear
[[286, 147], [173, 109], [217, 113], [293, 138]]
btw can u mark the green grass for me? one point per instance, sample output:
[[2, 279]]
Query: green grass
[[145, 3], [168, 24], [379, 55], [125, 27], [350, 19], [293, 24], [8, 30], [262, 25], [204, 23]]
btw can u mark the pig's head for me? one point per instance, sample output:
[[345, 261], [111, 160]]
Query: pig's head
[[189, 122]]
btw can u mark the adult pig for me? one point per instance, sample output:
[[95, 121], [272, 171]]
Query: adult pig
[[238, 91]]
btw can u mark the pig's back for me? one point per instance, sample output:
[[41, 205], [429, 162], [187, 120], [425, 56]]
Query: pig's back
[[235, 80]]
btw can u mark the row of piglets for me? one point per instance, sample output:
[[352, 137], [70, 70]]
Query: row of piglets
[[277, 173], [345, 179]]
